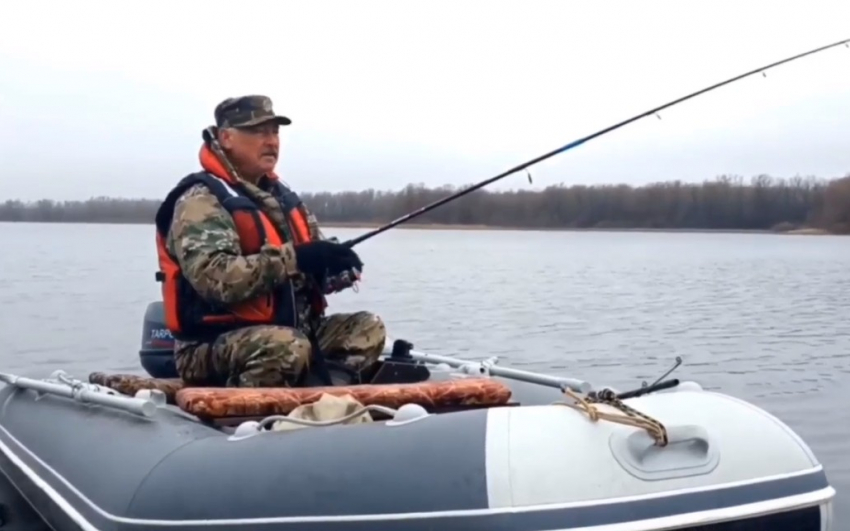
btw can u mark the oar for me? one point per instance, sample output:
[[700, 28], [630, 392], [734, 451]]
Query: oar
[[403, 349], [83, 392]]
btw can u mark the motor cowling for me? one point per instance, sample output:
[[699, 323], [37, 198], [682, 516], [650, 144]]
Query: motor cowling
[[157, 352]]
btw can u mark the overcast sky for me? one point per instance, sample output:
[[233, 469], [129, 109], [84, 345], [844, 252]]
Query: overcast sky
[[109, 98]]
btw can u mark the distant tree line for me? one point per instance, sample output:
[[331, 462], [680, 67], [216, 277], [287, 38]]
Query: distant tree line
[[727, 202]]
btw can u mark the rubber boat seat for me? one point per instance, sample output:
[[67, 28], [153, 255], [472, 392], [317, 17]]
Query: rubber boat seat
[[218, 403]]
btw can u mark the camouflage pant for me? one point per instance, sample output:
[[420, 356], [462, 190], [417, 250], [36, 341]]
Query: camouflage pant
[[274, 356]]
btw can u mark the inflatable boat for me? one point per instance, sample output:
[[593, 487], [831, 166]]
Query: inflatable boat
[[427, 443]]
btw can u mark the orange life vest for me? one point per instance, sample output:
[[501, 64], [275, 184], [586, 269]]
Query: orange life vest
[[187, 315]]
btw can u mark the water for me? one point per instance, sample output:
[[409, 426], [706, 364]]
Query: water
[[762, 317]]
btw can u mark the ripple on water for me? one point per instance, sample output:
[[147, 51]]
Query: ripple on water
[[760, 317]]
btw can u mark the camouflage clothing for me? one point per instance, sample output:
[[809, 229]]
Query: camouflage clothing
[[273, 356], [246, 111], [203, 239], [356, 339]]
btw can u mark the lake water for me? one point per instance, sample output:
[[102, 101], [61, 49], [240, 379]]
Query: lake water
[[763, 317]]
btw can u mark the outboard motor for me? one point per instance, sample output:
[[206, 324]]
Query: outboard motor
[[157, 352]]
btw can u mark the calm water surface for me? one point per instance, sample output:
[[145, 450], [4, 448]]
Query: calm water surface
[[762, 317]]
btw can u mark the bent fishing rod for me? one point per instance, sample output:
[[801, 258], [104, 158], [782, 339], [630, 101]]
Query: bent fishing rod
[[580, 141]]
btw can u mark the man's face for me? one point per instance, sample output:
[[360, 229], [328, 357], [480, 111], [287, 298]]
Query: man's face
[[253, 150]]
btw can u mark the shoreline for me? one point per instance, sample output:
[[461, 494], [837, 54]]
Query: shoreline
[[365, 225], [803, 231]]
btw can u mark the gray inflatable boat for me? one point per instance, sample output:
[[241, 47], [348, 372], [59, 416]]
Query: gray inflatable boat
[[444, 444]]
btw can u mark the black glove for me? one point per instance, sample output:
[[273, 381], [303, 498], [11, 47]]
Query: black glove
[[326, 258]]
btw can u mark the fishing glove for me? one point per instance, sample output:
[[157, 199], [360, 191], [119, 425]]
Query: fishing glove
[[323, 258]]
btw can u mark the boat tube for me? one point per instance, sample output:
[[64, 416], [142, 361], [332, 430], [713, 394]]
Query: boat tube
[[444, 444]]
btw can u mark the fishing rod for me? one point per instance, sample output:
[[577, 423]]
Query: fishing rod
[[580, 141]]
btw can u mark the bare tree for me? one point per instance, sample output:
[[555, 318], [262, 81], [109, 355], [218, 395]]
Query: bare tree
[[727, 202]]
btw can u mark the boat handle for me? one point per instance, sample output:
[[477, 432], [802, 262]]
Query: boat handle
[[690, 450]]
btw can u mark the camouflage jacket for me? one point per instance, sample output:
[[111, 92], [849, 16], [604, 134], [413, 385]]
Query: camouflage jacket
[[203, 239]]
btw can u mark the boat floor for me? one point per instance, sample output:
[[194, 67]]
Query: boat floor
[[228, 406]]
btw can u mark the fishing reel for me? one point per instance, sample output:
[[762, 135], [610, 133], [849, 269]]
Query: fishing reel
[[344, 280], [341, 281]]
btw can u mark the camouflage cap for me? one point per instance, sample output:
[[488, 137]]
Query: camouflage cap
[[246, 111]]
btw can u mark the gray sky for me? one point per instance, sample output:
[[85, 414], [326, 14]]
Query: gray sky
[[109, 98]]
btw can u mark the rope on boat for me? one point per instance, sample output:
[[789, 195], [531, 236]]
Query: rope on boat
[[271, 419], [628, 417]]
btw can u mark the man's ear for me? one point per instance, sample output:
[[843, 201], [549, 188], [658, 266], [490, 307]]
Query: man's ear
[[225, 138]]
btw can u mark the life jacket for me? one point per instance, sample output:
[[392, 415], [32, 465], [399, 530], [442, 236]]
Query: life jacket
[[187, 315]]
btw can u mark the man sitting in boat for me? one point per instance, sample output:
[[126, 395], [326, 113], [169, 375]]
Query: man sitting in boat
[[245, 268]]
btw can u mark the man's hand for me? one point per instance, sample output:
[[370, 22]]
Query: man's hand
[[324, 258]]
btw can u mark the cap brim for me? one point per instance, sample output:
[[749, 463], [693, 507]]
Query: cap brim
[[280, 120]]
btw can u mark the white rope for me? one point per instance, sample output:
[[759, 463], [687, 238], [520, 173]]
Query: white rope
[[305, 422]]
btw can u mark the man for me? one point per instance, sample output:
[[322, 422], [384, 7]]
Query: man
[[245, 268]]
